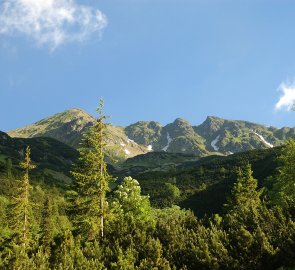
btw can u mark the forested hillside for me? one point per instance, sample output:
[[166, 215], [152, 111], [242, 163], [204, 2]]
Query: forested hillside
[[199, 184], [154, 211]]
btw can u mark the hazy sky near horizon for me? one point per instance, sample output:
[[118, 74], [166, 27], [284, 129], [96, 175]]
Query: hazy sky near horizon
[[148, 59]]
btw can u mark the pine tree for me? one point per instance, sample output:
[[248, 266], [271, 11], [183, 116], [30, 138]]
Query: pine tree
[[21, 207], [88, 201], [251, 247], [283, 192], [245, 198]]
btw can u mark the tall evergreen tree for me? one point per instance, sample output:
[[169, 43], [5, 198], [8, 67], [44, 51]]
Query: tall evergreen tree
[[21, 206], [251, 247], [245, 198], [88, 201]]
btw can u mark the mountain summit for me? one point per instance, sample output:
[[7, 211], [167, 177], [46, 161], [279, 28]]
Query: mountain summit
[[66, 127], [69, 126]]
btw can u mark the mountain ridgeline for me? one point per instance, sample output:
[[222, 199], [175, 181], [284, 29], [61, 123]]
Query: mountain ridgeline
[[214, 136]]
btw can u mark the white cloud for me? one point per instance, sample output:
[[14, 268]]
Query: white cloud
[[50, 22], [287, 99]]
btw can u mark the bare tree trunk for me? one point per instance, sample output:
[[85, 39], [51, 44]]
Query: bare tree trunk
[[102, 217], [26, 204], [101, 187], [25, 228]]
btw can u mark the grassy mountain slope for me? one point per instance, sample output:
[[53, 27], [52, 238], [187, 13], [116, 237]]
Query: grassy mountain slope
[[69, 126], [66, 127]]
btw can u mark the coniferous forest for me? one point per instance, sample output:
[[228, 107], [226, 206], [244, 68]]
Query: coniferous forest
[[100, 222]]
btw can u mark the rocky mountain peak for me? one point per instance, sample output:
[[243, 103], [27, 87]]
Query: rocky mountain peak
[[180, 125], [210, 126], [181, 122]]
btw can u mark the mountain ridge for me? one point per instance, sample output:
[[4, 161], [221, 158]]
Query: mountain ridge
[[214, 136]]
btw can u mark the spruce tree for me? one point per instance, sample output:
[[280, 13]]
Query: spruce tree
[[245, 198], [21, 207], [250, 247], [88, 199]]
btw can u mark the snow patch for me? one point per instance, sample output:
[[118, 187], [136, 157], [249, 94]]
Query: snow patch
[[214, 142], [127, 152], [131, 141], [169, 140], [150, 148], [123, 144], [263, 140]]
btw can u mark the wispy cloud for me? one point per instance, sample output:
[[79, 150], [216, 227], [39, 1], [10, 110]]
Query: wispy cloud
[[50, 22], [287, 99]]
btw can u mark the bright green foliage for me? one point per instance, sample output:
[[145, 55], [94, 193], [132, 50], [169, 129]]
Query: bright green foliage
[[20, 212], [251, 246], [65, 253], [154, 258], [18, 259], [172, 193], [41, 259], [132, 215], [245, 199], [284, 187], [130, 227], [280, 230], [129, 201], [93, 256], [174, 228], [125, 260], [88, 201], [189, 244], [69, 253]]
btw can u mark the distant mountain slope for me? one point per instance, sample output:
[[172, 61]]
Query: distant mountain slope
[[177, 137], [69, 126], [53, 158], [214, 136], [66, 127], [228, 136]]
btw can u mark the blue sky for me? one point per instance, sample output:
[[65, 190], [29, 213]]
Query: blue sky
[[148, 59]]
